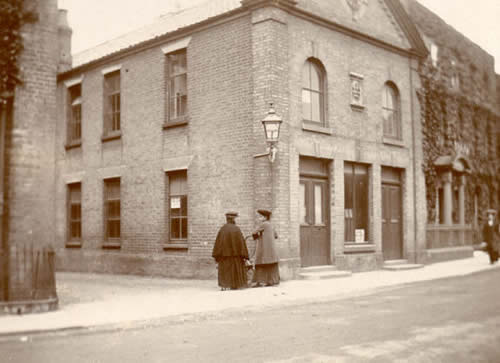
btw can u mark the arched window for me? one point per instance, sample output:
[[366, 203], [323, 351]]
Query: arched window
[[313, 92], [391, 111]]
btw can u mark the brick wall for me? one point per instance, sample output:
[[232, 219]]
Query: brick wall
[[30, 135], [218, 141]]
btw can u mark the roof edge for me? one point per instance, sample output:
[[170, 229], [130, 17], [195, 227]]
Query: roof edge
[[408, 27]]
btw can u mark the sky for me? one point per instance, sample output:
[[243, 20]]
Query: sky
[[96, 21]]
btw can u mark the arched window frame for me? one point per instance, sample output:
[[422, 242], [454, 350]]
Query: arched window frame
[[391, 125], [314, 114]]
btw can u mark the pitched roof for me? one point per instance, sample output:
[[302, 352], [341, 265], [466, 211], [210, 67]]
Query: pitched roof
[[165, 24]]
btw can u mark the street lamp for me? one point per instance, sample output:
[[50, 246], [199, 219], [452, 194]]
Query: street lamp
[[272, 123]]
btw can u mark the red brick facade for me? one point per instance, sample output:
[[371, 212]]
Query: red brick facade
[[237, 64]]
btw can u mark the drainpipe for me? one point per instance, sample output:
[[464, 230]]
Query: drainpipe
[[4, 247], [415, 207]]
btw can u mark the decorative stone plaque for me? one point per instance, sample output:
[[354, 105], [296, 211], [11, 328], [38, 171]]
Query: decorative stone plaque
[[357, 90]]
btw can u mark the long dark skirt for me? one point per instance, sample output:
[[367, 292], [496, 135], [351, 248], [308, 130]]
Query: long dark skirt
[[232, 273], [268, 274]]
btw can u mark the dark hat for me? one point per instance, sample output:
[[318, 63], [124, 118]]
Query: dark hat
[[232, 214], [264, 212], [491, 211]]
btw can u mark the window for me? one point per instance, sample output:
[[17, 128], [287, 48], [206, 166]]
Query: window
[[112, 208], [112, 103], [434, 54], [176, 87], [391, 111], [355, 201], [454, 79], [74, 114], [313, 92], [74, 214], [178, 207]]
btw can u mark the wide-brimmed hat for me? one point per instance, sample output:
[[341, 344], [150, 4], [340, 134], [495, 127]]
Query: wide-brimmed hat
[[232, 214], [264, 212]]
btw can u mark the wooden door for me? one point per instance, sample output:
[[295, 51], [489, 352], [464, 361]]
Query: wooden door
[[314, 230], [392, 245]]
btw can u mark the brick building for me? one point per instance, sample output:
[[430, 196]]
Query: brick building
[[158, 134], [460, 120]]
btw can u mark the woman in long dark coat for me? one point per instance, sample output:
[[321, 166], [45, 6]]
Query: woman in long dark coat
[[267, 271], [491, 235], [230, 252]]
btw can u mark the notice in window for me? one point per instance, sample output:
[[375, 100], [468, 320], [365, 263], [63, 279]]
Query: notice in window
[[175, 202], [359, 235]]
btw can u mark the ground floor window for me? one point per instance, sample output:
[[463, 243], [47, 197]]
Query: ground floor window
[[112, 209], [356, 202], [74, 212], [177, 206]]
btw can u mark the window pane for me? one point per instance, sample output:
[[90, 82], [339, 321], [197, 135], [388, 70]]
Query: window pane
[[174, 228], [302, 204], [75, 211], [361, 198], [184, 206], [184, 229], [306, 105], [315, 107], [318, 204], [306, 79], [114, 229], [315, 78]]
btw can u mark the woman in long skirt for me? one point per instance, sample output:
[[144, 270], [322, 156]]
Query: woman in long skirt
[[266, 258]]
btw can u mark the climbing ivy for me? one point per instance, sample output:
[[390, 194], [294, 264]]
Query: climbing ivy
[[450, 118], [12, 17]]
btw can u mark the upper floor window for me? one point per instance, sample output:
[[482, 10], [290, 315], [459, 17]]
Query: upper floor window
[[176, 86], [391, 111], [74, 117], [112, 103], [434, 54], [454, 79], [313, 92]]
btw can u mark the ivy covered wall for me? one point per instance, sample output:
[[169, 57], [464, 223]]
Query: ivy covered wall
[[459, 112], [12, 17]]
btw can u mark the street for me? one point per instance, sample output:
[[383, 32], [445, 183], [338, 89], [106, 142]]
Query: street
[[448, 320]]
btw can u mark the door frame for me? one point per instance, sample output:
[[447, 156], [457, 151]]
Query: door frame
[[399, 184], [324, 178]]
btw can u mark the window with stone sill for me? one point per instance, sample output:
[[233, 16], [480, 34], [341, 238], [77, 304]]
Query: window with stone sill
[[74, 213], [112, 211], [391, 111], [112, 104], [177, 207], [314, 92], [74, 114], [356, 202], [176, 97]]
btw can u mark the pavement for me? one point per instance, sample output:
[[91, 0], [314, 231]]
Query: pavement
[[95, 301]]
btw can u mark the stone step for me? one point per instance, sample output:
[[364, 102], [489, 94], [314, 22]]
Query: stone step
[[407, 266], [319, 268], [321, 275], [395, 262]]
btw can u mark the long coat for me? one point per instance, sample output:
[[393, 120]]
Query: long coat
[[265, 251], [491, 236], [230, 252]]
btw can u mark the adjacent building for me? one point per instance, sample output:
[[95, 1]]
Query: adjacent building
[[460, 119]]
